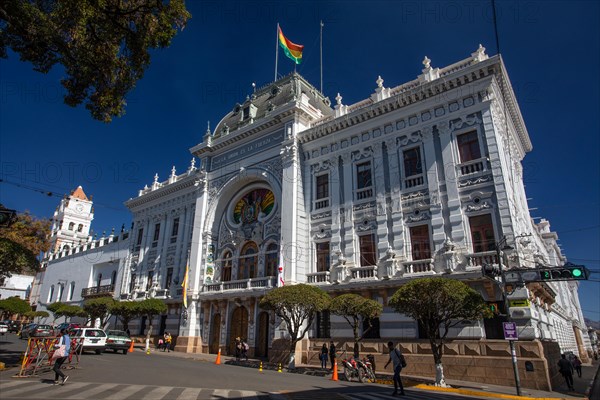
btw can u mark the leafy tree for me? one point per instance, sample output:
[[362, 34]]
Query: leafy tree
[[151, 308], [14, 305], [126, 311], [31, 315], [21, 243], [356, 309], [297, 305], [98, 309], [104, 46], [69, 310], [439, 304], [54, 309]]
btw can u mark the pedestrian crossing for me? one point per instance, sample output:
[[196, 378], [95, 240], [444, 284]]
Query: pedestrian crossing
[[35, 389], [409, 394]]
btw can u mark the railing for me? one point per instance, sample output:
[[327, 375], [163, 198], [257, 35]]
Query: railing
[[242, 284], [364, 193], [124, 296], [324, 203], [161, 293], [418, 266], [412, 181], [482, 258], [473, 166], [97, 290], [369, 272], [318, 277]]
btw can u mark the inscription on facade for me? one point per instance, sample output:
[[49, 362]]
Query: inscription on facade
[[247, 150]]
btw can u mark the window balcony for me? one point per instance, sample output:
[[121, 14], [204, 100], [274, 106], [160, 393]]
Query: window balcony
[[424, 267], [478, 260], [318, 277], [365, 193], [240, 285], [473, 167], [321, 203], [414, 181], [364, 273], [98, 291]]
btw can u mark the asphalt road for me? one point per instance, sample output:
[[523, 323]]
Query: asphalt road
[[157, 376]]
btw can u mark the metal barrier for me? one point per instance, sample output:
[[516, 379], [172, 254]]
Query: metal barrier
[[38, 355]]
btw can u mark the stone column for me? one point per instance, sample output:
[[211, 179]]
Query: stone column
[[289, 198]]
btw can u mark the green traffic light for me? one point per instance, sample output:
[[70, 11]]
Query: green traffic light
[[577, 273]]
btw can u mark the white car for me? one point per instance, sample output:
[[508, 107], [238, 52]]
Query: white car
[[93, 339], [3, 328]]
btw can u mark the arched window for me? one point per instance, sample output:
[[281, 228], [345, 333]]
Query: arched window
[[51, 293], [271, 256], [99, 280], [60, 292], [79, 227], [71, 291], [113, 277], [226, 263], [71, 226], [248, 261]]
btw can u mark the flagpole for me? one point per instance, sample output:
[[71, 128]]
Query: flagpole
[[276, 50], [321, 56]]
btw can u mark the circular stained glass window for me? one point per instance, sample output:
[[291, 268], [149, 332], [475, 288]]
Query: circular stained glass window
[[254, 204]]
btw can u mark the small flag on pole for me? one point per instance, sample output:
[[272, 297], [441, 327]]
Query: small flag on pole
[[184, 285], [292, 50]]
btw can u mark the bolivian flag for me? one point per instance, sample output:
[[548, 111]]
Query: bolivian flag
[[185, 285], [292, 50]]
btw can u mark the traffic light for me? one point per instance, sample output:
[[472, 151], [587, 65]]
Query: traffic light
[[491, 270], [568, 272]]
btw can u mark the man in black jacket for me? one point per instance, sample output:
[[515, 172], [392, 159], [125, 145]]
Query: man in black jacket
[[566, 369]]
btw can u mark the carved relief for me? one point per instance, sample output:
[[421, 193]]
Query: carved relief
[[367, 152]]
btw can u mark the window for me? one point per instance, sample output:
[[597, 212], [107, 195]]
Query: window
[[149, 281], [226, 264], [169, 278], [468, 146], [248, 261], [132, 283], [412, 162], [368, 252], [175, 230], [482, 233], [156, 235], [140, 235], [419, 238], [60, 292], [51, 293], [322, 187], [323, 324], [71, 291], [323, 260], [71, 226], [79, 228], [272, 254], [363, 175]]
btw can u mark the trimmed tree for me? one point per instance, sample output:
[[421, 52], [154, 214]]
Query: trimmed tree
[[98, 309], [14, 305], [125, 311], [54, 308], [150, 308], [439, 304], [297, 306], [356, 310]]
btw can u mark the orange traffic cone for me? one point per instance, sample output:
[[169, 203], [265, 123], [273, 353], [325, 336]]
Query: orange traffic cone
[[131, 347], [334, 377], [218, 360]]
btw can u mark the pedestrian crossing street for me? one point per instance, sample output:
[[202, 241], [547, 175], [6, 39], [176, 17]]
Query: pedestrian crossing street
[[34, 389]]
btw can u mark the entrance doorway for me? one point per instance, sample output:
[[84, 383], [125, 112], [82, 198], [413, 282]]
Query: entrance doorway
[[215, 334], [239, 327], [262, 341]]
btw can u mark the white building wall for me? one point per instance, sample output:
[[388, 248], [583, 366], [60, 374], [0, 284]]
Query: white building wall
[[16, 285]]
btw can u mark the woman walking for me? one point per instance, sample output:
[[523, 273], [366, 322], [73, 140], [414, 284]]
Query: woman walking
[[60, 356], [323, 356]]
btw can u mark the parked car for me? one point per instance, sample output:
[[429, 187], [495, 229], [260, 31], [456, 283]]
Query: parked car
[[36, 330], [14, 326], [3, 328], [94, 339], [118, 341], [70, 327]]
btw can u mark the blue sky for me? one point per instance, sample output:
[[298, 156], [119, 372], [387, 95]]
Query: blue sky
[[551, 50]]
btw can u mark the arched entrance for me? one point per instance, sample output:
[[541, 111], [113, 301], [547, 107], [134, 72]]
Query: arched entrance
[[239, 327], [215, 334], [262, 340]]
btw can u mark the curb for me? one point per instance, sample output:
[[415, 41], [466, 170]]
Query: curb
[[470, 392]]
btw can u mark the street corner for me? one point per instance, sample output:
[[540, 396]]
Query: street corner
[[471, 392]]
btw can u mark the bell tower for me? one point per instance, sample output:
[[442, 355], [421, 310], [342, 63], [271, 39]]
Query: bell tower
[[71, 221]]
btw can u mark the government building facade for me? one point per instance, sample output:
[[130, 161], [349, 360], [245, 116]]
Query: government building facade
[[418, 180]]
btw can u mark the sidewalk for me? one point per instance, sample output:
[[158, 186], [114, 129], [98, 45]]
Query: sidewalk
[[582, 385]]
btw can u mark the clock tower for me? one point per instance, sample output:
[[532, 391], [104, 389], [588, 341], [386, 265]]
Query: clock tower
[[71, 221]]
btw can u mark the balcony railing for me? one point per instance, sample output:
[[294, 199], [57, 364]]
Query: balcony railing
[[413, 181], [472, 167], [242, 284], [361, 273], [418, 266], [366, 193], [318, 277], [98, 291], [477, 260], [322, 203]]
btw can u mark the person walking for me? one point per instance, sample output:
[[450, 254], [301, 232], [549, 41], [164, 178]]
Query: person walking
[[167, 342], [323, 356], [566, 369], [60, 356], [332, 355], [397, 360], [245, 348], [238, 348], [577, 365]]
